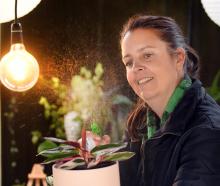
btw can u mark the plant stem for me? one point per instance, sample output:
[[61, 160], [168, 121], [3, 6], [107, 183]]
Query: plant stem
[[84, 151]]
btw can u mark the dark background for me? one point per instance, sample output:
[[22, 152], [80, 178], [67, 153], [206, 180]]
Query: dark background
[[65, 35]]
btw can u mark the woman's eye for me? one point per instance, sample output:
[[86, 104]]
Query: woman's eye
[[147, 56], [128, 64]]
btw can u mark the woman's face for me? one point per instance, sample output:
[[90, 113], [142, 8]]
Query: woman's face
[[152, 71]]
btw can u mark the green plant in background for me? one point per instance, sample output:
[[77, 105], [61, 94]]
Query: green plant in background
[[214, 89], [54, 111], [14, 151], [86, 100]]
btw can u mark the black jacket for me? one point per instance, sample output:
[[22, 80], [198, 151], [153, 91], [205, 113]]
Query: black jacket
[[185, 151]]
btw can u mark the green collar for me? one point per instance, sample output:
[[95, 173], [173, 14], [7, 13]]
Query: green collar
[[153, 122]]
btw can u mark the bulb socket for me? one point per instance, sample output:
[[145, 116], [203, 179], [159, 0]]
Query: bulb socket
[[16, 33]]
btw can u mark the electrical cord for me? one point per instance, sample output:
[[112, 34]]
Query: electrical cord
[[16, 18]]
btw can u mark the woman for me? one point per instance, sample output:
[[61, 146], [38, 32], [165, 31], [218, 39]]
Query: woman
[[175, 126]]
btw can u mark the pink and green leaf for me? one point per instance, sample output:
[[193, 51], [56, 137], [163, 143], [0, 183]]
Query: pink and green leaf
[[118, 156], [75, 162], [46, 145], [59, 157], [108, 148], [61, 141]]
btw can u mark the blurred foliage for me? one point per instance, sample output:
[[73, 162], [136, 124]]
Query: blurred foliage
[[214, 89], [105, 110], [12, 110]]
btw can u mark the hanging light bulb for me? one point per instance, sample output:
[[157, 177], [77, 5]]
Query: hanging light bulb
[[19, 70], [212, 9], [24, 7]]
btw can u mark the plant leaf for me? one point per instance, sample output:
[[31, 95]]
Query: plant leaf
[[49, 180], [119, 156], [61, 149], [216, 79], [75, 162], [59, 156], [57, 140], [108, 148], [46, 145], [73, 144], [95, 162]]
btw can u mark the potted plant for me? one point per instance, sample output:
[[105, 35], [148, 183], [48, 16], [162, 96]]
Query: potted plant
[[82, 164], [87, 162]]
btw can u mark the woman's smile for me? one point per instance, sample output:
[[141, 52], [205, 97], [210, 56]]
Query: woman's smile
[[144, 80]]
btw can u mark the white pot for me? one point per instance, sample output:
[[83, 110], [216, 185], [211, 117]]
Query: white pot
[[106, 176]]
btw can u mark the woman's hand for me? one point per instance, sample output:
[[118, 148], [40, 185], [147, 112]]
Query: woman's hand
[[97, 139], [93, 140]]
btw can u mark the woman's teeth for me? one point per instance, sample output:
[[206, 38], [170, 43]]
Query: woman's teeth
[[144, 80]]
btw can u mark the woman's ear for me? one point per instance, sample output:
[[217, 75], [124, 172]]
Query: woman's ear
[[180, 59]]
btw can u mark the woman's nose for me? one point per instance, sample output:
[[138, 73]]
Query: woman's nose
[[138, 67]]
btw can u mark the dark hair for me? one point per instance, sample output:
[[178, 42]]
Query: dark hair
[[169, 32]]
